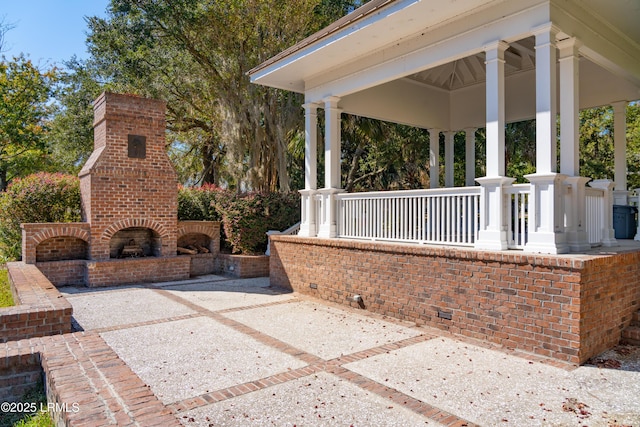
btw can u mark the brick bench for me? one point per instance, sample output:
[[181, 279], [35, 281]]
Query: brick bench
[[87, 383], [40, 309]]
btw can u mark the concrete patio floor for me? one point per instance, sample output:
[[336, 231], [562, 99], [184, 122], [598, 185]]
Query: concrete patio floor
[[221, 351]]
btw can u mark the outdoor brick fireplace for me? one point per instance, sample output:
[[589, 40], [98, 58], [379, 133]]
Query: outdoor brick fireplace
[[129, 206]]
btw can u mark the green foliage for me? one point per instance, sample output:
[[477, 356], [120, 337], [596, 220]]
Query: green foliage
[[247, 217], [70, 136], [34, 395], [42, 197], [24, 93], [6, 297], [196, 203]]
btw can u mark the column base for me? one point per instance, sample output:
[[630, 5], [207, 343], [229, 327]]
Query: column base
[[491, 240], [620, 197], [578, 241], [327, 227], [547, 243]]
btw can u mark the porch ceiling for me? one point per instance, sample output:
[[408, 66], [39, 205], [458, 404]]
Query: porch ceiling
[[470, 70]]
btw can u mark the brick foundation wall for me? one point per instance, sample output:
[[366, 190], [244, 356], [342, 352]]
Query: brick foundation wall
[[535, 303], [610, 295], [40, 310], [137, 270], [243, 266]]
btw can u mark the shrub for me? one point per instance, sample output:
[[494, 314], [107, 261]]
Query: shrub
[[195, 203], [42, 197], [247, 217]]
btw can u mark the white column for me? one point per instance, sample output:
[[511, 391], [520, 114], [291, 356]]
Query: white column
[[637, 236], [575, 198], [492, 234], [470, 157], [569, 107], [449, 138], [620, 195], [308, 226], [327, 223], [546, 129], [434, 157], [495, 108], [546, 201]]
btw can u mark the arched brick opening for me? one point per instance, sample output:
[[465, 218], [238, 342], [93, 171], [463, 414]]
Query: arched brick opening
[[135, 242], [62, 248]]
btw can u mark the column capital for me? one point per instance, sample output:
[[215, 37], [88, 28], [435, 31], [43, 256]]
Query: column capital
[[470, 130], [547, 29], [495, 51], [311, 106], [568, 48], [331, 102]]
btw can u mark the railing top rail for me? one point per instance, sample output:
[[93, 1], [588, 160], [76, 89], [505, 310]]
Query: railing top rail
[[517, 189], [453, 191]]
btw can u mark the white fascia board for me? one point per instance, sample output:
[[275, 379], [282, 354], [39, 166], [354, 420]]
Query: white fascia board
[[428, 50], [601, 42], [334, 49]]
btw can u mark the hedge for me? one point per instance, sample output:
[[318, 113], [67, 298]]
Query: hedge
[[42, 197]]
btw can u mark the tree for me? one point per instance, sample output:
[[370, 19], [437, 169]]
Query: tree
[[195, 55], [70, 136], [24, 93]]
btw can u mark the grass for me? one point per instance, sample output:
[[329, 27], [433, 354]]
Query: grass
[[6, 298], [37, 419]]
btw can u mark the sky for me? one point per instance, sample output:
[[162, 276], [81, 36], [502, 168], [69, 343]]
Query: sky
[[48, 31]]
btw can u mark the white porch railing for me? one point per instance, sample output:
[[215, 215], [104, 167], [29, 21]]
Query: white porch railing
[[517, 214], [594, 203], [439, 216]]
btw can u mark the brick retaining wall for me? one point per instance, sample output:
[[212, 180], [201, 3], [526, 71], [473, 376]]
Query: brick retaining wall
[[39, 311], [565, 307], [137, 270], [243, 266]]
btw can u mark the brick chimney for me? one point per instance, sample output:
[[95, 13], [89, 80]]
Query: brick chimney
[[129, 183]]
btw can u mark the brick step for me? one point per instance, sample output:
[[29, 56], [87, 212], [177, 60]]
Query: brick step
[[635, 320], [631, 335]]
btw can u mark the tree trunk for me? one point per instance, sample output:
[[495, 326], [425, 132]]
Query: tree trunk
[[3, 179]]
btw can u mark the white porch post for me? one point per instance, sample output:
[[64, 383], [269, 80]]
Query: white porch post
[[434, 158], [546, 202], [620, 194], [470, 157], [608, 233], [308, 205], [327, 223], [492, 234], [449, 138], [575, 202]]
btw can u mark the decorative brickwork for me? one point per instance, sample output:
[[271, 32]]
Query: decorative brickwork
[[39, 309], [565, 307], [120, 190], [34, 235]]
